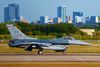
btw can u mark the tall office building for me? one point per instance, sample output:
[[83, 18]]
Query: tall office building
[[44, 19], [11, 13], [57, 20], [69, 19], [92, 20], [77, 17], [61, 12]]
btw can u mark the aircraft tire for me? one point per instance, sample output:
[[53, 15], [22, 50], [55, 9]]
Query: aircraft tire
[[40, 52]]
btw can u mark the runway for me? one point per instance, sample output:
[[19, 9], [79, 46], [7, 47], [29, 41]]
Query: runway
[[50, 58]]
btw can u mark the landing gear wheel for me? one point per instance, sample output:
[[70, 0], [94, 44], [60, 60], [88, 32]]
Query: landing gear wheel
[[40, 52]]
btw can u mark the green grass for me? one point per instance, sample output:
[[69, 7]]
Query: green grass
[[49, 64], [3, 43], [71, 49], [93, 43], [84, 49], [7, 49]]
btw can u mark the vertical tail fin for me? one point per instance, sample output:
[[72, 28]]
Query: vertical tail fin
[[15, 32]]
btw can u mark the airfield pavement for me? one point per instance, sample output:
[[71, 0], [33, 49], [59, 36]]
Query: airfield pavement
[[74, 57], [48, 57]]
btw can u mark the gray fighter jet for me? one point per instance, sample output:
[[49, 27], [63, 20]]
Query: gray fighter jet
[[22, 41]]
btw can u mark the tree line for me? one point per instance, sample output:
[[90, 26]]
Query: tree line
[[58, 30], [48, 30]]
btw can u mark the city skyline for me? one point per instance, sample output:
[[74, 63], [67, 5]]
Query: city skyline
[[48, 8], [11, 12]]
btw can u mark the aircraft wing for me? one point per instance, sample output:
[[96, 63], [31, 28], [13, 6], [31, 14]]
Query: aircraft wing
[[37, 44], [30, 45]]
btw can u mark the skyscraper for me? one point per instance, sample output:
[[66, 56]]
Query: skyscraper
[[57, 20], [44, 19], [11, 13], [77, 17], [61, 12], [92, 20], [69, 19]]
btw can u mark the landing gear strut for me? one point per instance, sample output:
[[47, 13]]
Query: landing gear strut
[[40, 52]]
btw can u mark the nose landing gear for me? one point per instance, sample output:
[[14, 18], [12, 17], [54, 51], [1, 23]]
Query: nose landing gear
[[40, 52]]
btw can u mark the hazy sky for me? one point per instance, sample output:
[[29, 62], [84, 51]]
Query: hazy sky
[[32, 9]]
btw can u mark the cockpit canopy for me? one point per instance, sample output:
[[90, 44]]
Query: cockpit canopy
[[69, 38]]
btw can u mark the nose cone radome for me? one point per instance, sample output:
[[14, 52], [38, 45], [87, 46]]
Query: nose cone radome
[[78, 42]]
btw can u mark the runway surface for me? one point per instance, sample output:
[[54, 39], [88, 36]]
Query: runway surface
[[88, 57]]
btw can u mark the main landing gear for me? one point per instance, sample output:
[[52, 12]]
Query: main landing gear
[[40, 52]]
